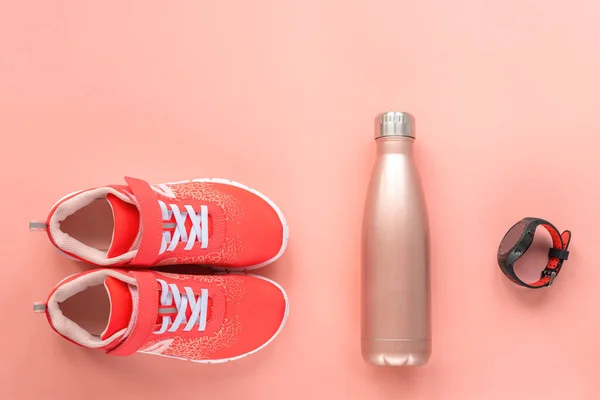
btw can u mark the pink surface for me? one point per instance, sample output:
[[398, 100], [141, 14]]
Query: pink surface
[[281, 96]]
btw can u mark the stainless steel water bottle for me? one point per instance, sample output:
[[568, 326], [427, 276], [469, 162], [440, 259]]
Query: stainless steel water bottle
[[396, 327]]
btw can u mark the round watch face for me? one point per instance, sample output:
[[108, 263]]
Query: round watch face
[[511, 238]]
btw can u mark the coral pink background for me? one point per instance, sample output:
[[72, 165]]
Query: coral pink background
[[281, 95]]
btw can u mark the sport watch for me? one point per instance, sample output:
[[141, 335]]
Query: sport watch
[[518, 239]]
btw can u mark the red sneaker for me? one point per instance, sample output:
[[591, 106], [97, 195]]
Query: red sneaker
[[203, 318], [208, 221]]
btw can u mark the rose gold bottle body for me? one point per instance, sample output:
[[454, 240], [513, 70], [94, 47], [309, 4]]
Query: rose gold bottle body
[[396, 328]]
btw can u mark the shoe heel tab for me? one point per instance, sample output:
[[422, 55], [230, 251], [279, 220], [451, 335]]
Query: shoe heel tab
[[38, 226], [39, 307]]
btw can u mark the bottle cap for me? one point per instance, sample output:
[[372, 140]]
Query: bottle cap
[[395, 123]]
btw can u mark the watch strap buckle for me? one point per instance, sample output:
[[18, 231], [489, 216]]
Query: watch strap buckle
[[552, 273]]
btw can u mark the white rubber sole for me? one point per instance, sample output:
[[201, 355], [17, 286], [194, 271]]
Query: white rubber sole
[[224, 360]]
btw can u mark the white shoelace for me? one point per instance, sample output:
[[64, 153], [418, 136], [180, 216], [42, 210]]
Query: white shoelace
[[197, 305], [198, 231]]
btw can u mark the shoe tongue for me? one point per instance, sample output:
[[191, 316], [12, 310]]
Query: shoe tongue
[[121, 306], [126, 218]]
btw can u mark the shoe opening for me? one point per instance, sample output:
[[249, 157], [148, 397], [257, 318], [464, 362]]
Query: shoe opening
[[89, 309], [91, 225], [101, 226]]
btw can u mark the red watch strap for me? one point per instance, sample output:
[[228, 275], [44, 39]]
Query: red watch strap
[[559, 242]]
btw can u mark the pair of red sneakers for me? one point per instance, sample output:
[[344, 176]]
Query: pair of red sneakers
[[204, 318]]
